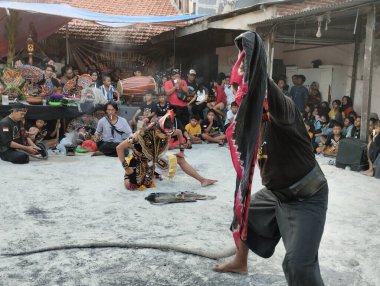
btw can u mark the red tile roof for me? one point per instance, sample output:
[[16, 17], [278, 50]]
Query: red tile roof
[[134, 35]]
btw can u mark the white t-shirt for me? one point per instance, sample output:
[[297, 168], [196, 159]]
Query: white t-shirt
[[229, 94], [201, 95], [229, 117]]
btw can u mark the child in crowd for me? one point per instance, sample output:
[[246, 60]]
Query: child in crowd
[[231, 114], [40, 134], [162, 106], [335, 113], [194, 130], [373, 147], [221, 99], [355, 132], [348, 124], [330, 147], [108, 90], [146, 112], [212, 131]]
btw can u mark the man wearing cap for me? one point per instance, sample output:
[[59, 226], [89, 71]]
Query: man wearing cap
[[11, 137], [190, 81], [173, 88]]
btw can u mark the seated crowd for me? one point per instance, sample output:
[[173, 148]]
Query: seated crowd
[[202, 114]]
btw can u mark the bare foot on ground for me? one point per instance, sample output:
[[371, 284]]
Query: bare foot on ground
[[367, 173], [232, 267], [208, 182]]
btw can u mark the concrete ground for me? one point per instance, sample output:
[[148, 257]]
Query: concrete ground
[[81, 199]]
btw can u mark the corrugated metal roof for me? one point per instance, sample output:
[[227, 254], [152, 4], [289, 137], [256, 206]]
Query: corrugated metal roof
[[322, 9]]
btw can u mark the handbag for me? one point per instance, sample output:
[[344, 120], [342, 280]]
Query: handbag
[[180, 94]]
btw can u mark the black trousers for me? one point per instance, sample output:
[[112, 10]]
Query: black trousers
[[300, 223], [108, 148], [182, 114], [14, 156]]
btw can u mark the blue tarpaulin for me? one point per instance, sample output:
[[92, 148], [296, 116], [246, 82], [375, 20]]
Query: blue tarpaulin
[[47, 18]]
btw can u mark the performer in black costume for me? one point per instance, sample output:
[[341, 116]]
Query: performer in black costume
[[293, 204]]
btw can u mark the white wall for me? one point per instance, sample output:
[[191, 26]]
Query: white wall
[[226, 58], [336, 55]]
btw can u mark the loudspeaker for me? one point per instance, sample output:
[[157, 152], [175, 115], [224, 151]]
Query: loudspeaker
[[353, 153]]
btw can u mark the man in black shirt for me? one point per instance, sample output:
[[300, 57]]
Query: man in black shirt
[[11, 137], [293, 204], [146, 111], [191, 80]]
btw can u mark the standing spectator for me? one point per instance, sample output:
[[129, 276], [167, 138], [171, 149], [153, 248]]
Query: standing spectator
[[190, 81], [314, 95], [346, 107], [335, 113], [11, 138], [108, 90], [111, 130], [299, 92], [176, 90]]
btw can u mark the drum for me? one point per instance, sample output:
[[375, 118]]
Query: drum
[[136, 85], [133, 88]]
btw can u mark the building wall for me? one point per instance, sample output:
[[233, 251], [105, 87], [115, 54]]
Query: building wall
[[336, 55], [226, 58]]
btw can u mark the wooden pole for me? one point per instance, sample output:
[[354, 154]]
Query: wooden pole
[[67, 45], [269, 45], [367, 72], [358, 37]]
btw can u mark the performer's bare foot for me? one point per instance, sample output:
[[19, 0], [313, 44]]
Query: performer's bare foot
[[232, 266], [368, 172], [207, 182]]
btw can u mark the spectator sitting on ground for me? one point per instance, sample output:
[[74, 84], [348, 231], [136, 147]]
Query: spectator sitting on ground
[[315, 119], [180, 138], [324, 108], [307, 113], [348, 124], [212, 131], [321, 134], [146, 112], [330, 147], [162, 106], [346, 106], [373, 149], [11, 140], [111, 130], [200, 102], [221, 100], [335, 113], [109, 92], [228, 90], [194, 130], [355, 132], [43, 135], [231, 114]]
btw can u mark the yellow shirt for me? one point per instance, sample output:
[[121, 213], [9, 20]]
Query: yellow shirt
[[193, 130]]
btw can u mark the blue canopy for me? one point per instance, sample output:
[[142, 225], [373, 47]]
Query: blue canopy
[[67, 11], [47, 18]]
